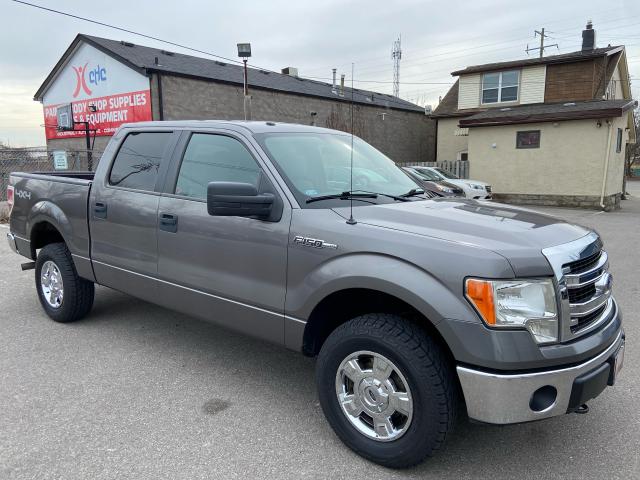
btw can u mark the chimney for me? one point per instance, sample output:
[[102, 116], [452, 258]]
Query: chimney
[[588, 38], [342, 85], [291, 71], [334, 90]]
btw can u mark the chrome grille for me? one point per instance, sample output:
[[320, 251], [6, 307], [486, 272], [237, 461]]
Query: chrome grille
[[584, 282]]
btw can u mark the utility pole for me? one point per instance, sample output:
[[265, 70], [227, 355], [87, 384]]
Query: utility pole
[[542, 45], [396, 55]]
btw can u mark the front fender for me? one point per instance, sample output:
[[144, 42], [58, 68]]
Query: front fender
[[391, 275]]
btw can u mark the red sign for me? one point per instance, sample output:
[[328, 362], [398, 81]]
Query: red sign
[[111, 112]]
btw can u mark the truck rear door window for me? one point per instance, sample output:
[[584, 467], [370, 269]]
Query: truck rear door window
[[138, 161], [214, 158]]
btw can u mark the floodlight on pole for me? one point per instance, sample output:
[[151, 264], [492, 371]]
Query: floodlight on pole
[[244, 52]]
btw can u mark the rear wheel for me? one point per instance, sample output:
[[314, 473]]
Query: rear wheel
[[387, 389], [64, 296]]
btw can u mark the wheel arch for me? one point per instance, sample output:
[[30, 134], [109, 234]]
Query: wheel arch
[[43, 233], [341, 306]]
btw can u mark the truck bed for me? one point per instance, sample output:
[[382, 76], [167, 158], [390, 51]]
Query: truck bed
[[59, 198]]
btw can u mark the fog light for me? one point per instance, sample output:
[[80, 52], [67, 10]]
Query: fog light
[[543, 398]]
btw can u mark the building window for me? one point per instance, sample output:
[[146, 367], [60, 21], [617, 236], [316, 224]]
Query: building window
[[528, 139], [500, 86], [619, 141]]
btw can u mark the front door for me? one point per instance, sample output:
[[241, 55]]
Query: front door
[[228, 270]]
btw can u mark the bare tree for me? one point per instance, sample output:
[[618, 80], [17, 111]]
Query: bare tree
[[632, 156], [340, 119]]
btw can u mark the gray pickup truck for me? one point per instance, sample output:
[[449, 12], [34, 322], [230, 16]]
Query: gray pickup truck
[[416, 308]]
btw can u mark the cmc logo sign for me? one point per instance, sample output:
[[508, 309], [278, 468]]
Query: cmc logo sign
[[95, 76]]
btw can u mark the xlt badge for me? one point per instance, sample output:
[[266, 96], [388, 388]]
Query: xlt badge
[[313, 242]]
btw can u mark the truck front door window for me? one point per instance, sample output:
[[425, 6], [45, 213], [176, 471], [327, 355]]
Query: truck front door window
[[138, 161], [214, 158]]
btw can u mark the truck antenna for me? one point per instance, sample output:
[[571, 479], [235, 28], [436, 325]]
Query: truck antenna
[[351, 220]]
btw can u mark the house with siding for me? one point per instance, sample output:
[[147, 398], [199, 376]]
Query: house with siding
[[548, 131]]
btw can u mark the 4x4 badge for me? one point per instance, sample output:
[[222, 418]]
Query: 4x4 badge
[[313, 242]]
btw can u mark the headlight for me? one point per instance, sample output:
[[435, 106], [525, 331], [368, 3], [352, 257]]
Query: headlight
[[524, 303], [475, 186], [442, 188]]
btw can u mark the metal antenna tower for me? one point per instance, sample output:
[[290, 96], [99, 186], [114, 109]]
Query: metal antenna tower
[[396, 54]]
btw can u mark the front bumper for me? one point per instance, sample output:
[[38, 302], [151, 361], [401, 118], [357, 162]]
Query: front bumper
[[508, 398]]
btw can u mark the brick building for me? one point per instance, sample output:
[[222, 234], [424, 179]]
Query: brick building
[[127, 82]]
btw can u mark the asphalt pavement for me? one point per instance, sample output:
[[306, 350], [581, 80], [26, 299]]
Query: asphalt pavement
[[139, 392]]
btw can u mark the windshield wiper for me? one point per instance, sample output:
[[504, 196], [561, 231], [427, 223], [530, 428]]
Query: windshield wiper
[[413, 192], [400, 198], [341, 196]]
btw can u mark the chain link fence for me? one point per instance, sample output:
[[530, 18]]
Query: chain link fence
[[42, 160]]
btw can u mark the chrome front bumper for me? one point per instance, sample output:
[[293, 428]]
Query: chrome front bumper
[[502, 398], [11, 239]]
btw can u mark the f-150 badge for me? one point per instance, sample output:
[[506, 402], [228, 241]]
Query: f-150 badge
[[313, 242]]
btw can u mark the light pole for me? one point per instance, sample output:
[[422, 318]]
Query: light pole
[[244, 52]]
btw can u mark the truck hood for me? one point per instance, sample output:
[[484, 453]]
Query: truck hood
[[516, 233]]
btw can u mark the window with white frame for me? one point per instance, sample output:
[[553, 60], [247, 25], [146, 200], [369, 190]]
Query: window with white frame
[[500, 86]]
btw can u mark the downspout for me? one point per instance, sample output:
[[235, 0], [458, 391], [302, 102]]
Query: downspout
[[160, 105], [606, 163]]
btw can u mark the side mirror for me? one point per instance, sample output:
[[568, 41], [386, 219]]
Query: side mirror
[[235, 199]]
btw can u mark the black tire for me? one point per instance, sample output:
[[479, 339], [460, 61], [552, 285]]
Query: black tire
[[425, 367], [78, 293]]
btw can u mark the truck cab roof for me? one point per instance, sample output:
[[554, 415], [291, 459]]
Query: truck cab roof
[[252, 127]]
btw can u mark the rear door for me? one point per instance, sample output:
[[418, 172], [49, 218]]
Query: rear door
[[123, 211], [229, 270]]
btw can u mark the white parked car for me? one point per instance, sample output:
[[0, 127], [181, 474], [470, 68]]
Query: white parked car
[[472, 188]]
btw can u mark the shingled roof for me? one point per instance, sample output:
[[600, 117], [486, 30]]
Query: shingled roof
[[143, 59], [551, 59], [549, 112]]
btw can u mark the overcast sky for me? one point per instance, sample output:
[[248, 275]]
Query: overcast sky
[[437, 38]]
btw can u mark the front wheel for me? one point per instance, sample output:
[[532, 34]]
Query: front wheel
[[64, 295], [387, 389]]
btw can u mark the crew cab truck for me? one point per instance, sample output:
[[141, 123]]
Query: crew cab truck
[[412, 305]]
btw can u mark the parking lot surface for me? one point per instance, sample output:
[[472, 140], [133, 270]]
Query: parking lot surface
[[136, 391]]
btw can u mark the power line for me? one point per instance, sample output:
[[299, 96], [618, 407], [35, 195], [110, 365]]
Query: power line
[[96, 22], [168, 42], [519, 38]]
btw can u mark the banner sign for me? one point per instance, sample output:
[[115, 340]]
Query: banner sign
[[101, 90], [111, 112]]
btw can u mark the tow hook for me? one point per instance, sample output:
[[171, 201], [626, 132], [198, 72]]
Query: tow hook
[[582, 409]]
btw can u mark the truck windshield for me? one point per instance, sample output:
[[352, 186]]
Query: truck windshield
[[318, 164]]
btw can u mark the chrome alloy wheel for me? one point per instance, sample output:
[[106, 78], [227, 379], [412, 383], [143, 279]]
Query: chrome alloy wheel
[[374, 396], [51, 284]]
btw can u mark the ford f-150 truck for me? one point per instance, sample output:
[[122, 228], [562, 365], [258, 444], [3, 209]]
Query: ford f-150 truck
[[313, 239]]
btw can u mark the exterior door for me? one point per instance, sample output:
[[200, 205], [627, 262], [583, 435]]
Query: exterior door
[[123, 209], [228, 270]]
